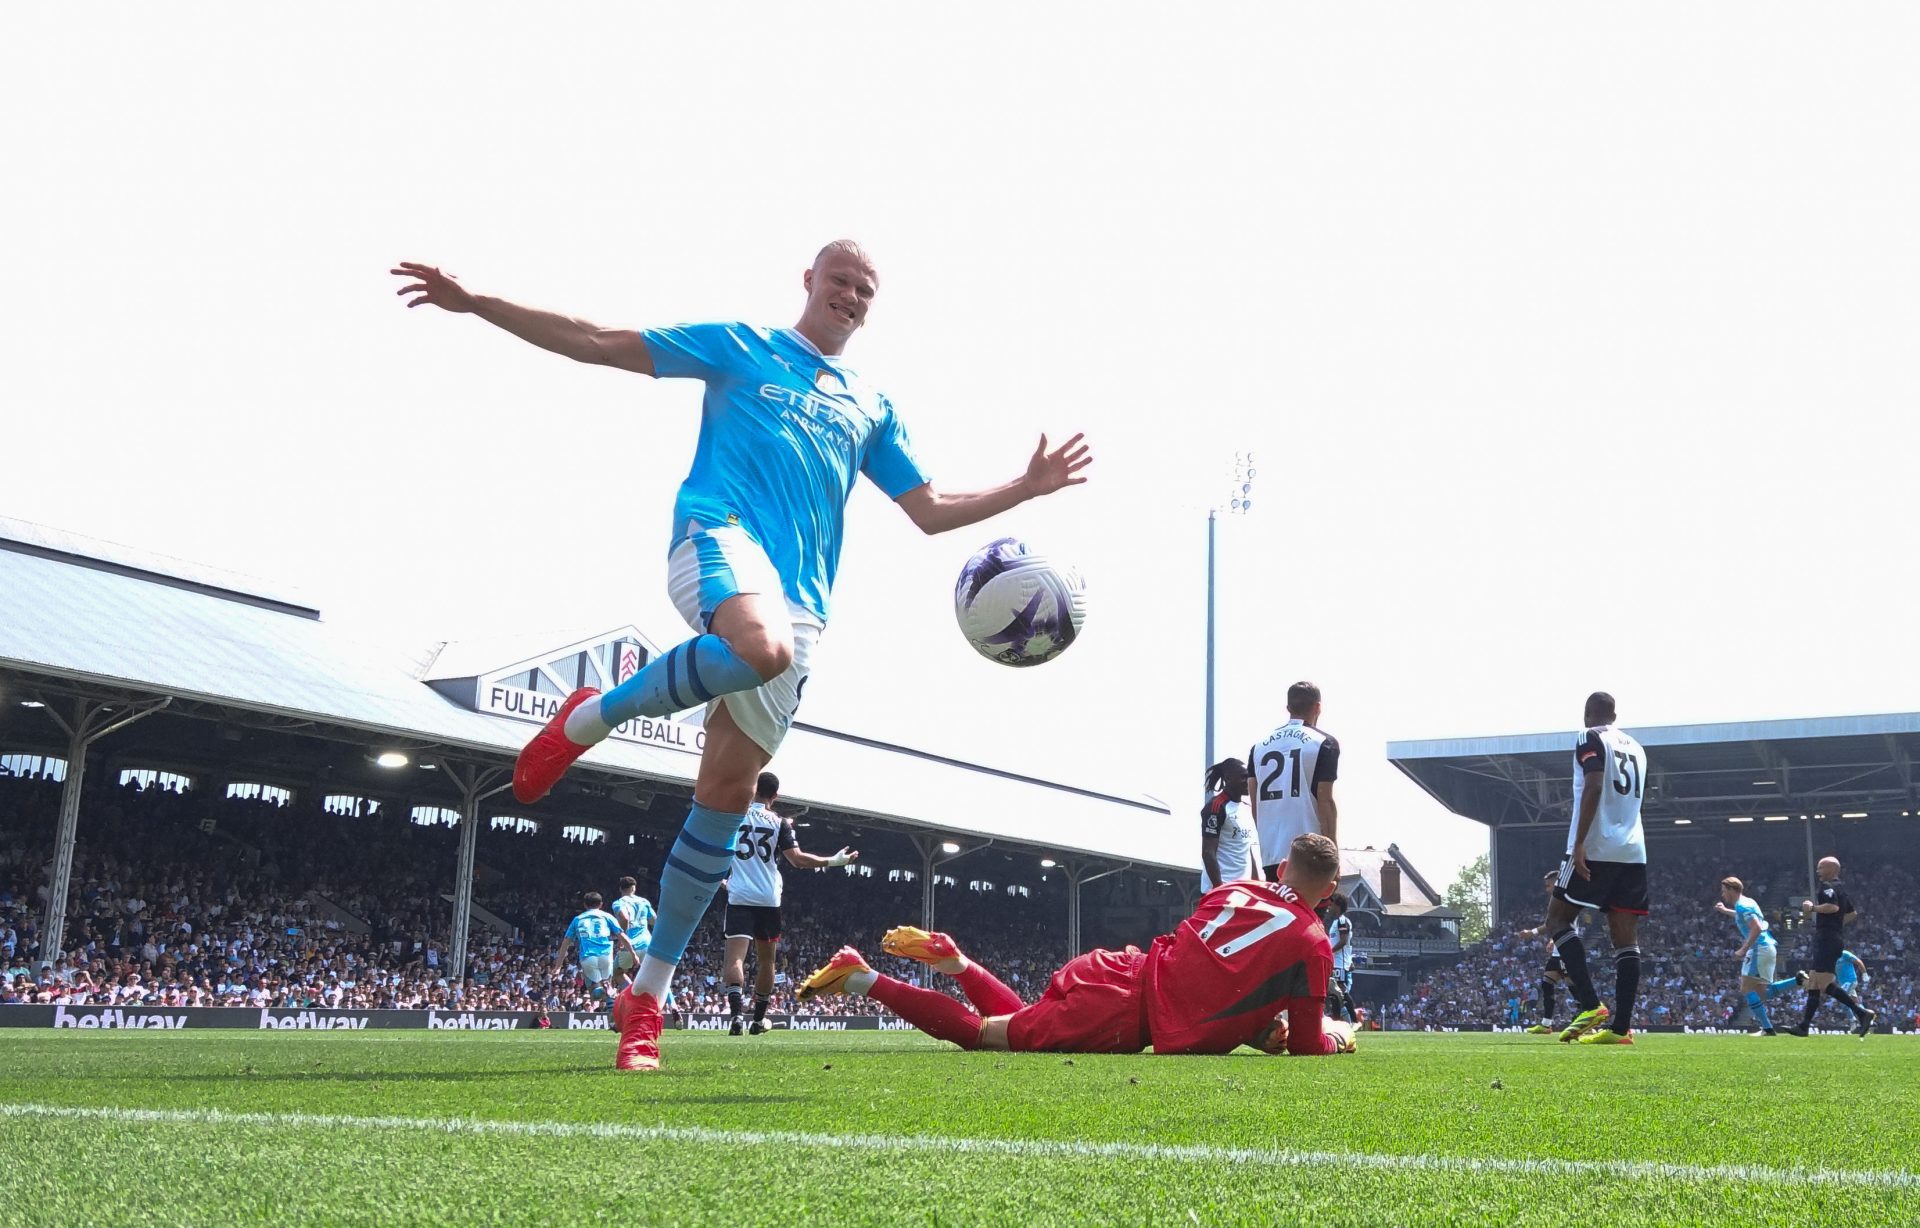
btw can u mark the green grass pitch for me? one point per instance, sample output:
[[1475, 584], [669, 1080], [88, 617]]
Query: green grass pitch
[[886, 1128]]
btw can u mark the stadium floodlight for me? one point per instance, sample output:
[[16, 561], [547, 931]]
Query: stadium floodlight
[[1239, 502], [31, 703], [948, 846], [392, 759], [1775, 818], [1683, 822], [1048, 862], [1740, 818], [1855, 814], [1766, 782]]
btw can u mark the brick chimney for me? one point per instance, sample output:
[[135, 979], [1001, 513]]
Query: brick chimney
[[1389, 881]]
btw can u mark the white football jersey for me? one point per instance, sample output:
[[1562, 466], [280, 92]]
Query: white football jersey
[[1618, 765], [1232, 822], [1342, 956], [1285, 767], [755, 879]]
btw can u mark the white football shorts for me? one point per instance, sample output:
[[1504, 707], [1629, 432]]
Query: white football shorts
[[711, 565]]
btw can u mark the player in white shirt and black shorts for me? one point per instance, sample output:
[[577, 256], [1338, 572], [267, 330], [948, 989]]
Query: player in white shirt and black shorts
[[1228, 850], [1605, 870], [754, 888], [1292, 772]]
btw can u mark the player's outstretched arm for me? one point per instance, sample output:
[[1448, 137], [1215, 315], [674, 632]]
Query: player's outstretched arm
[[1047, 472], [802, 860], [579, 340]]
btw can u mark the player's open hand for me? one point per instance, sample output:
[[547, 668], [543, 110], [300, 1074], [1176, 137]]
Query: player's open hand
[[1580, 861], [430, 285], [1050, 471]]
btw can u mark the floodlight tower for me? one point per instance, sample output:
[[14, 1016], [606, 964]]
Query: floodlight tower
[[1239, 502]]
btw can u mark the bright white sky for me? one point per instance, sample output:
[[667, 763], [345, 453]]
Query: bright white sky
[[1577, 348]]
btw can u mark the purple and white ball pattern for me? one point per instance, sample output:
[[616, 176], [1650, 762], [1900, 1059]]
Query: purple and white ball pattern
[[1018, 607]]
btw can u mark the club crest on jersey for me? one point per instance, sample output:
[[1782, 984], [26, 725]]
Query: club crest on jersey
[[827, 381]]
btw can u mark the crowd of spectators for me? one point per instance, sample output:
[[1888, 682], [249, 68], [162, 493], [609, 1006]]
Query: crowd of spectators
[[179, 900], [1689, 976]]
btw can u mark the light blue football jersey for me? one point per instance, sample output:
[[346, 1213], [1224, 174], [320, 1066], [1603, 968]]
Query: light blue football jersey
[[639, 912], [784, 430], [1745, 910], [592, 932], [1845, 974]]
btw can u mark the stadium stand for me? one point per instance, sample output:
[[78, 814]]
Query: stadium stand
[[183, 901], [1691, 977], [1762, 800]]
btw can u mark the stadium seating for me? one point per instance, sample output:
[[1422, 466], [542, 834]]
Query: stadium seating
[[1690, 977], [187, 901]]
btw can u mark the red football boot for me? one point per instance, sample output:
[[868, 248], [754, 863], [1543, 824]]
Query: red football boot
[[637, 1016], [545, 760]]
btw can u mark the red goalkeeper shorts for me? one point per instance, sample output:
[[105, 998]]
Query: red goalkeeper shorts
[[1095, 1004]]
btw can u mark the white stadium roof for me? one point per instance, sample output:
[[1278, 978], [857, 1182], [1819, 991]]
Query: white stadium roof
[[84, 611]]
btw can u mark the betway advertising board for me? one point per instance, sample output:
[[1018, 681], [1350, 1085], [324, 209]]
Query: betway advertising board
[[172, 1018], [292, 1019]]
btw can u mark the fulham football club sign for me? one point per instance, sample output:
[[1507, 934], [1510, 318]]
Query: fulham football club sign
[[533, 689]]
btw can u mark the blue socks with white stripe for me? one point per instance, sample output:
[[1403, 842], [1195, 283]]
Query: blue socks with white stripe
[[686, 676], [696, 866], [1757, 1007]]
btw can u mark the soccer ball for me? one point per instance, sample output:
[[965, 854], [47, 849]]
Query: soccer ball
[[1018, 607]]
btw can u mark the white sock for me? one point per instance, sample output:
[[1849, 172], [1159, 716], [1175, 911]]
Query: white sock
[[653, 976], [584, 726], [860, 982]]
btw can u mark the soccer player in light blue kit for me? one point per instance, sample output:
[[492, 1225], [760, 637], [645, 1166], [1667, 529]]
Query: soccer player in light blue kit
[[595, 934], [786, 427], [635, 914], [1850, 974], [1758, 951]]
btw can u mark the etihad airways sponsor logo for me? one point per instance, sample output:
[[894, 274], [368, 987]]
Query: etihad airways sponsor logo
[[115, 1017]]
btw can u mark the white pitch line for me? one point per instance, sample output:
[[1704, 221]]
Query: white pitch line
[[1639, 1170]]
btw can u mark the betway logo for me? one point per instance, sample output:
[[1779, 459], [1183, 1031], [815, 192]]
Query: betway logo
[[595, 1023], [889, 1024], [114, 1017], [312, 1021], [817, 1024], [467, 1021]]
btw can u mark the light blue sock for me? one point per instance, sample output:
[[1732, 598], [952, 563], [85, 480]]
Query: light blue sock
[[1758, 1005], [1779, 987], [685, 676], [696, 866]]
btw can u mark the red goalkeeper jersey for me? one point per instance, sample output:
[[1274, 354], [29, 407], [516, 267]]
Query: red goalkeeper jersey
[[1249, 951]]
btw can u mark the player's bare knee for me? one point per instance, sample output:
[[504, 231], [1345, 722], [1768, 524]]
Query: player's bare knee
[[770, 654]]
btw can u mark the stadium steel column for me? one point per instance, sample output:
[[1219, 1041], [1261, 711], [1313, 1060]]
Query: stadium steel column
[[91, 722], [930, 847], [1076, 879], [476, 783]]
